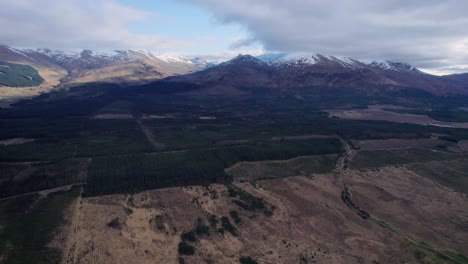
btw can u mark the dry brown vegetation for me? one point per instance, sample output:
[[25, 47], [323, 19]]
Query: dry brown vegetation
[[377, 112], [302, 219], [397, 143]]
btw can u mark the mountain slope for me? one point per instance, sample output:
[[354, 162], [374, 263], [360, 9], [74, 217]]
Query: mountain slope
[[243, 70], [108, 66], [460, 79], [17, 75], [289, 71]]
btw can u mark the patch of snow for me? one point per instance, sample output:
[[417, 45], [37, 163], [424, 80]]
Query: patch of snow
[[20, 53], [173, 58], [392, 66], [382, 65], [297, 59], [146, 53]]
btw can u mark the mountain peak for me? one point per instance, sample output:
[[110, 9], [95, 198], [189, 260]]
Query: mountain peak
[[393, 66], [243, 60]]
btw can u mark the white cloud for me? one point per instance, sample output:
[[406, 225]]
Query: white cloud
[[427, 33], [78, 24]]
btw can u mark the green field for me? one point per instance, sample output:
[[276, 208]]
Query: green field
[[28, 224], [18, 75], [381, 158], [91, 138], [126, 174], [446, 114], [24, 178], [452, 174], [246, 171], [132, 173], [117, 107]]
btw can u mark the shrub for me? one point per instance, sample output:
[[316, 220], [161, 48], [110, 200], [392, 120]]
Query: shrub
[[128, 211], [201, 228], [115, 224], [247, 260], [188, 236], [228, 226], [159, 221], [213, 221], [235, 216], [186, 249]]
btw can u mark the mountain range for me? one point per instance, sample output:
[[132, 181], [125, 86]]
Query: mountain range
[[315, 70], [275, 70]]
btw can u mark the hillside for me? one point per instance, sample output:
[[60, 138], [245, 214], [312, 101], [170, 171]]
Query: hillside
[[65, 67], [17, 75], [314, 70]]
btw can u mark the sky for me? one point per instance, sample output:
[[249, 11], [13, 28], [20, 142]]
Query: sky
[[431, 35]]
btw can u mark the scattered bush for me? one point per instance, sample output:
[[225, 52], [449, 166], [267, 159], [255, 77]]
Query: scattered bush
[[128, 211], [115, 224], [201, 229], [228, 226], [235, 216], [186, 249], [247, 260], [213, 221], [159, 221], [188, 236]]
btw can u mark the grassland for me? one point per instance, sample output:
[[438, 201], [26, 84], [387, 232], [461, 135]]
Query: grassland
[[28, 224], [452, 174], [396, 157], [446, 114], [17, 75], [18, 178], [131, 173], [247, 171], [91, 138]]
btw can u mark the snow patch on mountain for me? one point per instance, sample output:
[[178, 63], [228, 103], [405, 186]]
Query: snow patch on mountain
[[17, 51], [308, 59], [392, 66]]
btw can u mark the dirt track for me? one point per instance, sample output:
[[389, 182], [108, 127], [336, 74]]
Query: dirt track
[[150, 136]]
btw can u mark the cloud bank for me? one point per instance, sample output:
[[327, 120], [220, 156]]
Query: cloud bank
[[430, 34]]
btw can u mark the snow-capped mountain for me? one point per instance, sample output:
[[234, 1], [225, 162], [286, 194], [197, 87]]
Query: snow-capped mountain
[[289, 71], [108, 66], [281, 70], [279, 60]]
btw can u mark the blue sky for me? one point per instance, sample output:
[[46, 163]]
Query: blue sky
[[184, 20]]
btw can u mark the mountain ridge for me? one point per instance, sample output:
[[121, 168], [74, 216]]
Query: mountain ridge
[[274, 70], [293, 71]]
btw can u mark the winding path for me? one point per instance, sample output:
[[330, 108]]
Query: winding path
[[342, 166]]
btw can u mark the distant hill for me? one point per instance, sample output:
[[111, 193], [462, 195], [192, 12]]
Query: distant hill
[[117, 66], [460, 79], [285, 71], [64, 67], [17, 75]]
